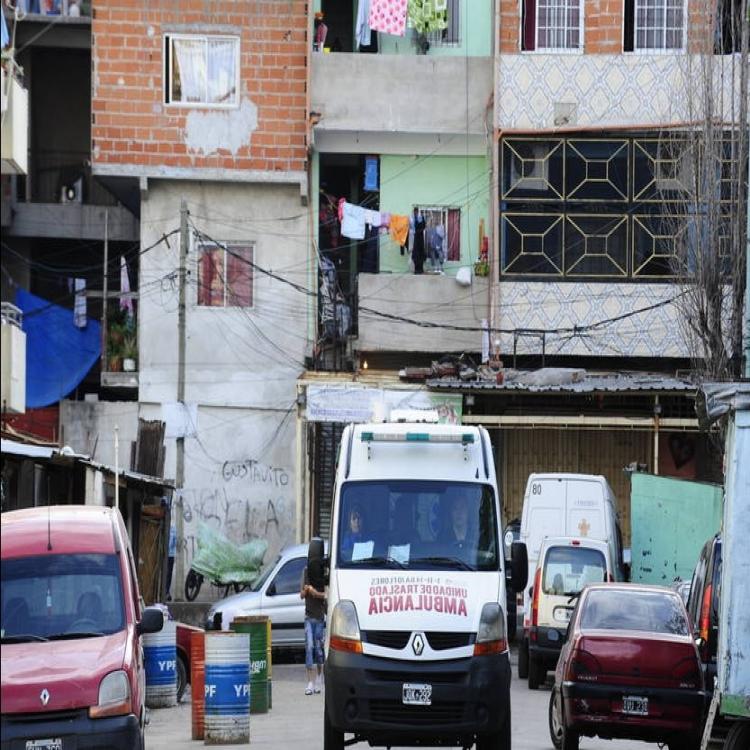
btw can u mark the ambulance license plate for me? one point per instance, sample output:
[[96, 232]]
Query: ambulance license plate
[[417, 694], [55, 743], [633, 705]]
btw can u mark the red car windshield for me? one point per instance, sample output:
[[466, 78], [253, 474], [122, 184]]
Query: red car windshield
[[55, 597], [647, 611]]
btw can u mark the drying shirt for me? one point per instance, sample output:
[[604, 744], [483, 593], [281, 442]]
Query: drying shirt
[[353, 223], [372, 218], [399, 228], [388, 16]]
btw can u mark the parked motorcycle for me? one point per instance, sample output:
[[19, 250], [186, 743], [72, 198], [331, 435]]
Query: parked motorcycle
[[229, 566]]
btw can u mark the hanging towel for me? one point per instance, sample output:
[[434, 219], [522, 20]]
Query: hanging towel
[[399, 228], [363, 24], [388, 16], [126, 303], [353, 225]]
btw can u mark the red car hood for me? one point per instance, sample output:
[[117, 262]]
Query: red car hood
[[70, 671]]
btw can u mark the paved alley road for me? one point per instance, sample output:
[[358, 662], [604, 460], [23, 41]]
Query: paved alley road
[[296, 720]]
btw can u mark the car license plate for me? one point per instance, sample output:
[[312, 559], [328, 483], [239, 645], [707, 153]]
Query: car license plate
[[417, 694], [633, 705], [48, 744]]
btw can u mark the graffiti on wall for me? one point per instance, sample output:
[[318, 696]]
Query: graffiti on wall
[[252, 500]]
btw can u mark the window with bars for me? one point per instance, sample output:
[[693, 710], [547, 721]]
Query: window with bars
[[654, 25], [225, 276], [552, 25], [201, 71], [451, 35], [450, 220]]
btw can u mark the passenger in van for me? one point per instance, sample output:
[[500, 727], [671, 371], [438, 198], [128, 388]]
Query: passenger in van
[[89, 609], [354, 533], [456, 532]]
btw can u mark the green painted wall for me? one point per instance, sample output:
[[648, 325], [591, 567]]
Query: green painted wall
[[452, 181], [671, 520], [475, 34]]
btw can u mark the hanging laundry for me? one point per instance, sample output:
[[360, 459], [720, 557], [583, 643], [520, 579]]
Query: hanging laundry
[[80, 315], [388, 16], [353, 224], [417, 226], [363, 24], [372, 218], [341, 208], [424, 16], [126, 303], [399, 226], [385, 220]]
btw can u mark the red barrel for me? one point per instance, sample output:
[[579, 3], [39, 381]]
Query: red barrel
[[197, 680]]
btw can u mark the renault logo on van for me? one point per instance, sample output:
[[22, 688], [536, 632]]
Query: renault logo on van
[[418, 644], [44, 697]]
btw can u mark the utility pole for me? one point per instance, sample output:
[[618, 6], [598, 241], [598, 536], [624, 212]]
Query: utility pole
[[105, 286], [180, 454]]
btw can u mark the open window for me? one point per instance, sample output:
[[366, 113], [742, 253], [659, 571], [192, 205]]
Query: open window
[[654, 25], [201, 71], [225, 275], [552, 25], [451, 34]]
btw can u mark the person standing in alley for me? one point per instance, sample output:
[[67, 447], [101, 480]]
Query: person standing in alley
[[313, 592]]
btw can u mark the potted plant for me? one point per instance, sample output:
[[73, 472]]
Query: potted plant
[[117, 331], [129, 352]]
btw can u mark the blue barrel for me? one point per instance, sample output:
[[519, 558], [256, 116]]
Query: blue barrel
[[227, 688], [160, 656]]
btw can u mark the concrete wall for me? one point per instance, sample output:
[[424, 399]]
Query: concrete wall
[[437, 299], [88, 427], [550, 305], [405, 95], [241, 363], [451, 181]]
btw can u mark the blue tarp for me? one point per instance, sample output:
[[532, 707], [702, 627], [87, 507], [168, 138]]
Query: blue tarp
[[58, 355]]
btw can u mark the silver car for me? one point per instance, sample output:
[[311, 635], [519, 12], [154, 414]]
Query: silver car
[[275, 594]]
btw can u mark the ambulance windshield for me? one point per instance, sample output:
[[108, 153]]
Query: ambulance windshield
[[417, 525]]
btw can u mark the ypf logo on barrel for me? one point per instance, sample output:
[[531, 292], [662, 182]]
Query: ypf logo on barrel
[[227, 689], [161, 665]]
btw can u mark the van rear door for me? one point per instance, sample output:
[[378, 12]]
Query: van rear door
[[585, 509]]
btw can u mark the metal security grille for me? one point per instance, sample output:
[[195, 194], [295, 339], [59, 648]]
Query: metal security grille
[[558, 24], [326, 437]]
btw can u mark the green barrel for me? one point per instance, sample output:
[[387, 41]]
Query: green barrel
[[270, 665], [257, 628]]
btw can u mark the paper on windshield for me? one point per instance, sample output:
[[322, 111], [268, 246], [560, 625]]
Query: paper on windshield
[[399, 552], [362, 550]]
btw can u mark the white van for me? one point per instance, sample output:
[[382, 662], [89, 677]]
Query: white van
[[417, 651], [566, 565], [579, 505]]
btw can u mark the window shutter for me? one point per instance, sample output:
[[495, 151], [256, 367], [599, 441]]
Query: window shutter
[[528, 42]]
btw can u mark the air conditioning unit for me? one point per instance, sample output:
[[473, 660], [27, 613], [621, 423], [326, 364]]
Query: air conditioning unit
[[13, 365], [72, 192]]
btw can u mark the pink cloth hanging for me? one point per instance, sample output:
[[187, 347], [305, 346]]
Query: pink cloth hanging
[[388, 16]]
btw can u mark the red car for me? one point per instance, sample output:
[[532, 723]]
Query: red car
[[629, 669], [71, 627]]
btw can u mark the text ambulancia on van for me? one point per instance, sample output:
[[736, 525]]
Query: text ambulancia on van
[[417, 647]]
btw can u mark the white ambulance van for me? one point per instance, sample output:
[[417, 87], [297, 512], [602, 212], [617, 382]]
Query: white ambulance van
[[417, 652], [575, 505]]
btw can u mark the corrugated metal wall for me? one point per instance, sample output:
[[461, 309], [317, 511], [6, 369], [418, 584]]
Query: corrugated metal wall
[[523, 451]]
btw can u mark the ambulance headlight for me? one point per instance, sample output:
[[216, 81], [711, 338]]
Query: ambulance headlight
[[491, 637], [345, 634]]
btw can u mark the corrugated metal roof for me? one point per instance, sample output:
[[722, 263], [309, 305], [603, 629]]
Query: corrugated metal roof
[[14, 448], [611, 383]]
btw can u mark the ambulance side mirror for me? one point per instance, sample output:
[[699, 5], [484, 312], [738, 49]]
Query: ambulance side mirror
[[519, 566]]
